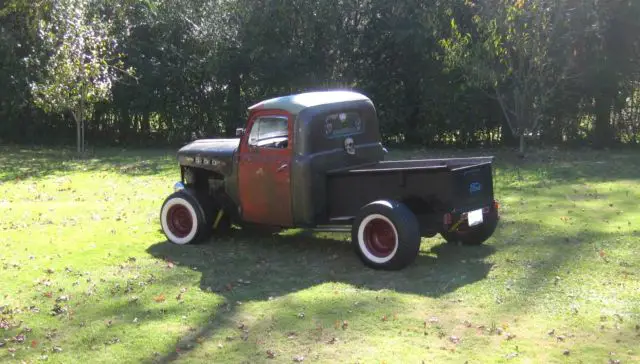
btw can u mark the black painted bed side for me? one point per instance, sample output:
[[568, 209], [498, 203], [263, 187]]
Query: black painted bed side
[[430, 188]]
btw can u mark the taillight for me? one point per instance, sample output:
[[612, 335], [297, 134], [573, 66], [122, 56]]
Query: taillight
[[447, 219]]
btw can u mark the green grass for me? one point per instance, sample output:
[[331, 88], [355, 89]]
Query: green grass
[[558, 282]]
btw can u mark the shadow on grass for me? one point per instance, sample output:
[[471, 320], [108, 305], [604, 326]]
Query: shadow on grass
[[282, 264], [32, 163]]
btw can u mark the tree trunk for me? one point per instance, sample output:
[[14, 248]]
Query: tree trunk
[[145, 125], [522, 147], [602, 132], [124, 124], [506, 135], [79, 136], [233, 104], [79, 117]]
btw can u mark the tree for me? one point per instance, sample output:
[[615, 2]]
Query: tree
[[512, 51], [81, 65], [610, 54]]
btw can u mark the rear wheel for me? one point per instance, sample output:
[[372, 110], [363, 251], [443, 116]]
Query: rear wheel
[[185, 218], [386, 235], [475, 235]]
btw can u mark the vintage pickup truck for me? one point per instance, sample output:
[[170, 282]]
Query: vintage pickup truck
[[315, 161]]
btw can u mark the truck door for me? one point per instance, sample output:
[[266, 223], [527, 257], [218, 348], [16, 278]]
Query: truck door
[[264, 171]]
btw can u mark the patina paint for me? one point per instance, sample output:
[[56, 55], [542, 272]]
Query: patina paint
[[264, 177]]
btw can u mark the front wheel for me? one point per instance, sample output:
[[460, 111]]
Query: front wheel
[[184, 218], [386, 235]]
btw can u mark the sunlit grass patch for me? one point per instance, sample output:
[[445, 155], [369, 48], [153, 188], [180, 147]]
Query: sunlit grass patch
[[86, 274]]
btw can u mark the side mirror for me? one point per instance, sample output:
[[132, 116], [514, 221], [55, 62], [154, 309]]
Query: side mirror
[[240, 132]]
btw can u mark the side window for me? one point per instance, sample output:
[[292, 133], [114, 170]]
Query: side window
[[270, 132]]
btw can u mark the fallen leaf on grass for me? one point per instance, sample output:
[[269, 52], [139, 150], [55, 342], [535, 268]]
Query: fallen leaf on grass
[[113, 340], [4, 324], [271, 354], [58, 310], [511, 355], [34, 343], [510, 336], [159, 298]]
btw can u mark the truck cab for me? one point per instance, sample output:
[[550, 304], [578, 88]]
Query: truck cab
[[315, 160]]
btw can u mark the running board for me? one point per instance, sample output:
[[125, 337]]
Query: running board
[[342, 220], [331, 229]]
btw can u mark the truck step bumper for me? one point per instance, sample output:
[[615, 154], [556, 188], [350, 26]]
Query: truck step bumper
[[451, 221]]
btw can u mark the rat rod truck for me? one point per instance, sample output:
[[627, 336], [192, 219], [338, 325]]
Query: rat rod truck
[[315, 161]]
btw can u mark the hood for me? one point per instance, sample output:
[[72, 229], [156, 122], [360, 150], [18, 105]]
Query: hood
[[211, 154], [211, 147]]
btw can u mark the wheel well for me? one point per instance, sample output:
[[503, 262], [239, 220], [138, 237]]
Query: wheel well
[[427, 213], [209, 183], [418, 205], [202, 180]]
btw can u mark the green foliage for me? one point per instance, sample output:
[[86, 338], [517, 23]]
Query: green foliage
[[515, 54], [441, 73], [81, 63]]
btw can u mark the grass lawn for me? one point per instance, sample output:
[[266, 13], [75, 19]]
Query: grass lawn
[[86, 274]]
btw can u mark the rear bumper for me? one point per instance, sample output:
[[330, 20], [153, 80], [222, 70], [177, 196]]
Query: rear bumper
[[450, 219]]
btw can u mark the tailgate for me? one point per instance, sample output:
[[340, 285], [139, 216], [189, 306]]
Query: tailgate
[[472, 187]]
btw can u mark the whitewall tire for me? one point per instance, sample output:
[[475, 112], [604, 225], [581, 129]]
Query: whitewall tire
[[386, 235], [183, 218]]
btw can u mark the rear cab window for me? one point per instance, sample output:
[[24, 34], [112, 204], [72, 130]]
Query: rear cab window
[[343, 124]]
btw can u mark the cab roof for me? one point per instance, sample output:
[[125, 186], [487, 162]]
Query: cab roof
[[293, 104]]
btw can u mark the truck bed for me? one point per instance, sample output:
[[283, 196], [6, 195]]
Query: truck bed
[[430, 187]]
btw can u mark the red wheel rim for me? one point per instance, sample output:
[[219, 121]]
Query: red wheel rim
[[179, 221], [379, 238]]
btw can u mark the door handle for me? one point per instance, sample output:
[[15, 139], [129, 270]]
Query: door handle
[[282, 167]]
